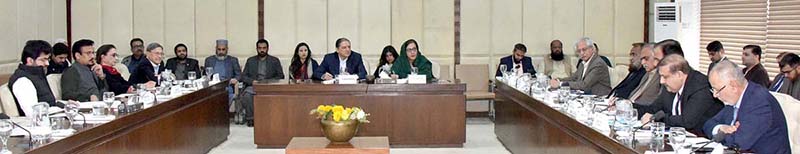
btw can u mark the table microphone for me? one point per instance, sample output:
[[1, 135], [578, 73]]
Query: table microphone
[[4, 116], [719, 137]]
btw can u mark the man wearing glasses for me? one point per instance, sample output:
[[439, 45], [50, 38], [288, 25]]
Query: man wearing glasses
[[789, 68], [149, 70], [137, 56], [84, 81], [688, 102]]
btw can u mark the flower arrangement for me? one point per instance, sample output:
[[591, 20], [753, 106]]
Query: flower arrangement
[[339, 113]]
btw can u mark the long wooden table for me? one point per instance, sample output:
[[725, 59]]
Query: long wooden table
[[426, 115], [526, 125], [192, 123]]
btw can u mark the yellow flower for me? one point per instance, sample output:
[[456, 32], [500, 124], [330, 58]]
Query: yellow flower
[[338, 108], [346, 114], [337, 116]]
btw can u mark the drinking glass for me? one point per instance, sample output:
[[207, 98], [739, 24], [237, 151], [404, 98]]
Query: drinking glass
[[71, 109], [657, 128], [108, 98], [209, 72], [5, 132], [192, 75], [503, 68], [677, 137], [414, 71]]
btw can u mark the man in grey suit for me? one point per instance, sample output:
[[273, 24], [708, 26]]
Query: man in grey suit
[[592, 74], [650, 85], [84, 81]]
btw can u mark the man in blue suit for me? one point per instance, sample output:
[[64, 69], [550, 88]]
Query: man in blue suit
[[517, 61], [343, 59], [752, 119]]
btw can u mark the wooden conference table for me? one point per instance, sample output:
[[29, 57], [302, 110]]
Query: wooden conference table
[[527, 125], [192, 123], [411, 115]]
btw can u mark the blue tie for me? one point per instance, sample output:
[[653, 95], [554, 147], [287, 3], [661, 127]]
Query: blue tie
[[735, 113], [778, 85]]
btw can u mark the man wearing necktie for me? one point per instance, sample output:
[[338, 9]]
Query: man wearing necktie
[[687, 102], [752, 119]]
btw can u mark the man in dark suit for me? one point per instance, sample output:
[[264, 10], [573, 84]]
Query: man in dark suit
[[752, 119], [754, 71], [343, 59], [635, 74], [592, 74], [780, 80], [148, 71], [687, 102], [181, 65], [716, 53], [517, 61]]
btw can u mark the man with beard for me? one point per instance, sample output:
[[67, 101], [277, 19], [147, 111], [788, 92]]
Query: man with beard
[[261, 67], [28, 84], [227, 67], [137, 50], [181, 65], [754, 71], [635, 74], [716, 53], [517, 62], [84, 81], [58, 60], [558, 65]]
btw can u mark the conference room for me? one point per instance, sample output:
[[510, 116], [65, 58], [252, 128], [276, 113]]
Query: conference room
[[399, 76]]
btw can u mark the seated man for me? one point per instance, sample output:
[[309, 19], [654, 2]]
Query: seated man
[[58, 60], [790, 67], [649, 87], [28, 84], [343, 61], [557, 65], [754, 71], [592, 74], [752, 119], [137, 55], [226, 66], [148, 71], [517, 61], [260, 67], [84, 81], [635, 74], [181, 64], [778, 82], [687, 102]]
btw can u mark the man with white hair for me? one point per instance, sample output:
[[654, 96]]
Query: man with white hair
[[752, 119], [649, 87], [592, 74]]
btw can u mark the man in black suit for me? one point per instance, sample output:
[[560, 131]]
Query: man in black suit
[[181, 64], [687, 102], [147, 72]]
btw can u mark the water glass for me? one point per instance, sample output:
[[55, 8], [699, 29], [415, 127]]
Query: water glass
[[677, 137], [414, 71], [657, 128], [98, 108], [6, 126], [209, 72], [40, 123], [108, 98], [71, 109], [503, 69], [192, 75]]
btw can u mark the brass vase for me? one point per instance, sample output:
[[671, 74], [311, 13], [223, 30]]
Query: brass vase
[[339, 132]]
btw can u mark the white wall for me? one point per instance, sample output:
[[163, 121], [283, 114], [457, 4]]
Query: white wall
[[23, 20]]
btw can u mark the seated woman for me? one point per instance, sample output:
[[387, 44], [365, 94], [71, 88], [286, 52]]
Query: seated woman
[[300, 67], [388, 55], [411, 57], [107, 57]]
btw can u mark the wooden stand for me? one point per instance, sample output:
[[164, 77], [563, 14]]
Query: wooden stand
[[320, 145]]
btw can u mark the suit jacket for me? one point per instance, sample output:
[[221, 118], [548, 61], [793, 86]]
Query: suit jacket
[[698, 104], [250, 73], [548, 66], [710, 66], [792, 89], [605, 59], [190, 65], [330, 64], [527, 65], [625, 88], [75, 87], [145, 73], [650, 87], [777, 78], [596, 80], [762, 126], [758, 75]]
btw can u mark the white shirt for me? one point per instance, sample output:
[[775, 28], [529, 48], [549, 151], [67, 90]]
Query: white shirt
[[586, 67], [26, 95], [736, 109], [559, 69], [675, 109], [155, 67], [342, 65]]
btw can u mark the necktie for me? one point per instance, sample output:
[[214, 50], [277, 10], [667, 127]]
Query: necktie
[[735, 113], [677, 109], [778, 85]]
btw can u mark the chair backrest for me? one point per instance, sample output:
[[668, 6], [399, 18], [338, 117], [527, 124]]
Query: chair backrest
[[435, 68], [791, 107], [617, 74], [476, 76], [55, 84], [9, 105], [122, 69], [444, 71], [366, 66]]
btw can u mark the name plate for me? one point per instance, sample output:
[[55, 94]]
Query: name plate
[[417, 79], [348, 79]]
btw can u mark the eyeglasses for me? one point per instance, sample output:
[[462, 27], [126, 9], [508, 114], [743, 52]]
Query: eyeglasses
[[716, 92], [411, 49]]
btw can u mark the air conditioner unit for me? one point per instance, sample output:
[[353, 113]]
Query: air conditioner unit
[[666, 21]]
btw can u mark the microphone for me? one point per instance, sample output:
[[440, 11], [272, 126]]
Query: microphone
[[719, 137], [4, 116]]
